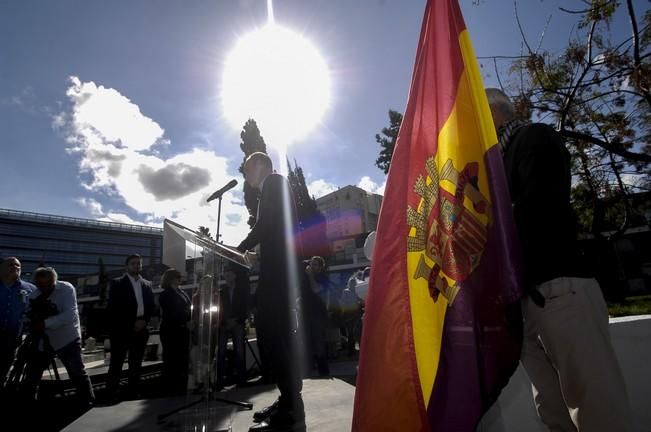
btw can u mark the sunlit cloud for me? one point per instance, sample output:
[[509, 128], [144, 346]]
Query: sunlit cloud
[[369, 185], [115, 143], [93, 206], [320, 187]]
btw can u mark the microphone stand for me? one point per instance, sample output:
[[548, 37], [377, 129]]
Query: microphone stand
[[219, 217]]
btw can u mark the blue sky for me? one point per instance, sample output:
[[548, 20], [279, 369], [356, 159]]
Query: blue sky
[[76, 77]]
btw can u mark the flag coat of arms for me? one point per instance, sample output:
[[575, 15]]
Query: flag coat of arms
[[441, 332]]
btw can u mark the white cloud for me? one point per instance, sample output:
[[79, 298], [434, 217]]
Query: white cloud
[[92, 205], [320, 187], [369, 185], [119, 217], [114, 140], [104, 113]]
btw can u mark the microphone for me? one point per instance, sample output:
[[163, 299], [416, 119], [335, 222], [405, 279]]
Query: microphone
[[218, 194]]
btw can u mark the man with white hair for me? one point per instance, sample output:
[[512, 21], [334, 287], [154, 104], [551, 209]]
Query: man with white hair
[[54, 322], [567, 352]]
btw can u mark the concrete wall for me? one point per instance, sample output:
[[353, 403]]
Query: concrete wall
[[631, 336]]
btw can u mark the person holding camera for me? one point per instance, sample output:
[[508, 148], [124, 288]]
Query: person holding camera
[[14, 293], [53, 324]]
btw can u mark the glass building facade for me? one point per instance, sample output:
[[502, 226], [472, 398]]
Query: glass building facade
[[74, 246]]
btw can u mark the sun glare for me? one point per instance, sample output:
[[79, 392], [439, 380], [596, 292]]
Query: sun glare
[[278, 78]]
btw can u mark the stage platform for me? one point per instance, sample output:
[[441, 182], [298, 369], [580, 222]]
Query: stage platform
[[328, 408]]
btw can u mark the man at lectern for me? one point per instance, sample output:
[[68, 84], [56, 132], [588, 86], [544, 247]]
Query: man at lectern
[[277, 291]]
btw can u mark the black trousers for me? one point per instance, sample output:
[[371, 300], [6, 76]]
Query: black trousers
[[176, 359], [134, 344], [280, 338], [8, 345], [234, 331]]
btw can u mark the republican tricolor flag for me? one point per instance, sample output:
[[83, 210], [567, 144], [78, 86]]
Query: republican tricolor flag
[[440, 339]]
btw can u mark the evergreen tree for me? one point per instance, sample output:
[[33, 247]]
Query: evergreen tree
[[252, 142], [312, 223], [388, 141]]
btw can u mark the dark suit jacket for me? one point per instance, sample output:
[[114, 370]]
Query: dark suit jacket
[[538, 170], [122, 304], [175, 309], [277, 243], [237, 307]]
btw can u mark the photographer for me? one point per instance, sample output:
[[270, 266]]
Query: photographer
[[54, 330]]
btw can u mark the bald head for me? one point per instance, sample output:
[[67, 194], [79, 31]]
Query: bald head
[[9, 270], [256, 168], [501, 106]]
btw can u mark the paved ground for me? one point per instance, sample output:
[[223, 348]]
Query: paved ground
[[328, 406]]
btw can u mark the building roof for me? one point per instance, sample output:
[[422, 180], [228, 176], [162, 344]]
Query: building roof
[[343, 189], [72, 221]]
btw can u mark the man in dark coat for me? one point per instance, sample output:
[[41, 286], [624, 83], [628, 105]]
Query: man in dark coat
[[277, 291], [234, 307], [567, 351], [130, 307]]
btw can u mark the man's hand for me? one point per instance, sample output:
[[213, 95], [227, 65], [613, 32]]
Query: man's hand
[[38, 326], [140, 325], [251, 257]]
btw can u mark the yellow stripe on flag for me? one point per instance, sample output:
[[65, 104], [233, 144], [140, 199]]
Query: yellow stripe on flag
[[464, 138]]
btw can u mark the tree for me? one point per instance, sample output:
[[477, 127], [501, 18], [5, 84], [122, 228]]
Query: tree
[[597, 92], [312, 223], [103, 280], [252, 142], [204, 231], [388, 141]]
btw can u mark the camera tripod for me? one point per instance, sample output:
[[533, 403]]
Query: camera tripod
[[18, 381]]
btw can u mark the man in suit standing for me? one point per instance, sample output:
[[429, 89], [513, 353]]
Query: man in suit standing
[[277, 291], [234, 306], [130, 306]]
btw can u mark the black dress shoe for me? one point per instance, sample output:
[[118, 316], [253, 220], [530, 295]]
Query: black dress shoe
[[280, 422], [265, 413]]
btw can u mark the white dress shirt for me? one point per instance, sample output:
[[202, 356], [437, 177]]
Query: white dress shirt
[[137, 290]]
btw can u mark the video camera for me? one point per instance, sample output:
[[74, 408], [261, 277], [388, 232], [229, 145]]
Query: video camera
[[41, 308]]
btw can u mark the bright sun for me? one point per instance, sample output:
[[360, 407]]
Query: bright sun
[[278, 78]]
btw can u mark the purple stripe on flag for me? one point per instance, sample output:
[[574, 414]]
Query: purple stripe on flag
[[482, 329]]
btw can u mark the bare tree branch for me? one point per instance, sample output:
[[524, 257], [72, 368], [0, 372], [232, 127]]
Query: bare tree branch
[[617, 149], [497, 74], [636, 47], [636, 34], [568, 100], [517, 20], [542, 35]]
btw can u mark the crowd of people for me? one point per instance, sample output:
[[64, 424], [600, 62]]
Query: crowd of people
[[43, 322]]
